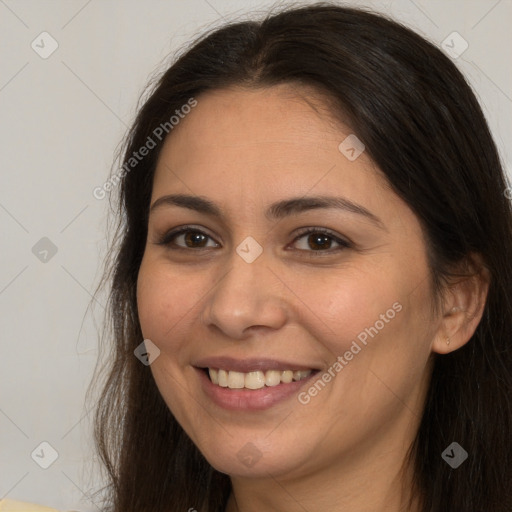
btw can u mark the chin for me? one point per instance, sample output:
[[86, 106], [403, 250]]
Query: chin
[[255, 457]]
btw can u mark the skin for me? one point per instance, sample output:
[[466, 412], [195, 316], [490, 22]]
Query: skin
[[345, 450]]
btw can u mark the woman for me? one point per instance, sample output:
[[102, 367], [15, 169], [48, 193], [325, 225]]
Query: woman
[[313, 243]]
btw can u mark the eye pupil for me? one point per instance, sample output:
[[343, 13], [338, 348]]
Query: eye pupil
[[320, 241], [195, 237]]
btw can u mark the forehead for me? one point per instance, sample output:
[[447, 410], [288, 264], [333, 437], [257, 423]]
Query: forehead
[[267, 136], [274, 115]]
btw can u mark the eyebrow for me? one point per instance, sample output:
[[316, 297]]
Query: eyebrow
[[276, 211]]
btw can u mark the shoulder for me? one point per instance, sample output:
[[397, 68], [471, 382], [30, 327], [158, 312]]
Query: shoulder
[[23, 506]]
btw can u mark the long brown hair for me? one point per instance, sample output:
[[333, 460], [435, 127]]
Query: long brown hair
[[423, 127]]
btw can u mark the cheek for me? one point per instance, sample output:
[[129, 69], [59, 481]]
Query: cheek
[[347, 302], [372, 324], [165, 302], [373, 318], [161, 301]]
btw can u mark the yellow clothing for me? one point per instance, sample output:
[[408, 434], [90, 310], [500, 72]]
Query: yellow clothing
[[22, 506]]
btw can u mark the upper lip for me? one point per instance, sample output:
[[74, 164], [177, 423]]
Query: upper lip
[[249, 365]]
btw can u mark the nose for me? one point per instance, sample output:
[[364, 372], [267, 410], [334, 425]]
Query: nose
[[247, 297]]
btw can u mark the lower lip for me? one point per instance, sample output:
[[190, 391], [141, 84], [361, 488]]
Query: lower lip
[[250, 399]]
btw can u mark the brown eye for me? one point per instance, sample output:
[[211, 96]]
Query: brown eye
[[187, 238], [320, 241], [192, 238]]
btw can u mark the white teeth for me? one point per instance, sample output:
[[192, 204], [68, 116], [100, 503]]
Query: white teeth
[[272, 378], [300, 374], [236, 380], [223, 378], [287, 376], [214, 375], [255, 380]]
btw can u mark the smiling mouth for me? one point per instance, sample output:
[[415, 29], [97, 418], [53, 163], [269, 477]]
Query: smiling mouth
[[256, 379]]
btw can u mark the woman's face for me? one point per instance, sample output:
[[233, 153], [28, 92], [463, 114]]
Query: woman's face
[[247, 293]]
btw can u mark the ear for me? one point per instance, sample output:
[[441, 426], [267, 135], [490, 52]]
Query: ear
[[463, 306]]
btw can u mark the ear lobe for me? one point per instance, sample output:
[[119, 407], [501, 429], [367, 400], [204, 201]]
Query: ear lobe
[[464, 305]]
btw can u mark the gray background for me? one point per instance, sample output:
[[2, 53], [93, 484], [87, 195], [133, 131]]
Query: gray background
[[62, 119]]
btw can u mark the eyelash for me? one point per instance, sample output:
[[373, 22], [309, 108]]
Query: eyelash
[[167, 240]]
